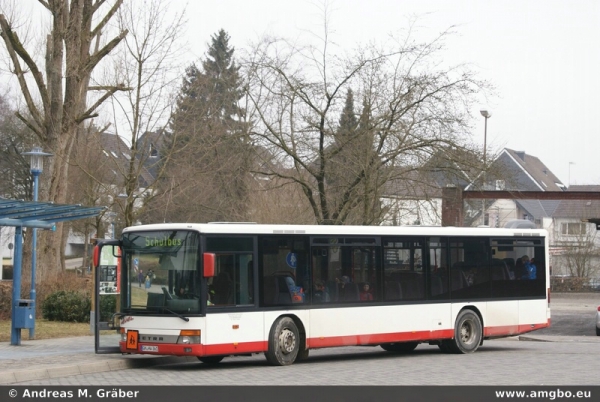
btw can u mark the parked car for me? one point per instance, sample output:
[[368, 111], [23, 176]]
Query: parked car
[[598, 321]]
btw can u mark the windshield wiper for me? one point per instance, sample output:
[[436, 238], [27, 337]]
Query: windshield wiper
[[157, 309], [176, 314]]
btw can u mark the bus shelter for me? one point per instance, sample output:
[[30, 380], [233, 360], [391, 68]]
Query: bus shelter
[[37, 215]]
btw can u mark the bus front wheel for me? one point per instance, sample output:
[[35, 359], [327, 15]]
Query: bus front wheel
[[468, 334], [283, 342], [211, 359]]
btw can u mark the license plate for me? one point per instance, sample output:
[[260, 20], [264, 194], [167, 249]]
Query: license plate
[[147, 348]]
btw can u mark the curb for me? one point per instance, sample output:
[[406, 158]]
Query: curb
[[87, 368], [559, 338], [532, 339]]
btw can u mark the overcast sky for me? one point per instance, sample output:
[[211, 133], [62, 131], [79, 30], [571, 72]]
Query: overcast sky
[[543, 57]]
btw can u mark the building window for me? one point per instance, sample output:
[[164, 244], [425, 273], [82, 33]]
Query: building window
[[574, 228]]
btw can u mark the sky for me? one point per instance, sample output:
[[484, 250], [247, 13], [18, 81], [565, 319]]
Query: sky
[[542, 56]]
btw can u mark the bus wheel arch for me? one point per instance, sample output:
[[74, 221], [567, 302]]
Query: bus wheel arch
[[285, 341], [303, 349], [468, 333]]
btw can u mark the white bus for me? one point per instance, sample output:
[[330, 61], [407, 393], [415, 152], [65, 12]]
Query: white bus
[[227, 289]]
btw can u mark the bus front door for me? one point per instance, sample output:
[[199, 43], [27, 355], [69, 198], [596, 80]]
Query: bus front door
[[104, 320]]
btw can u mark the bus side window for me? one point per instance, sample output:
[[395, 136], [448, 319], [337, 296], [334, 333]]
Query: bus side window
[[223, 288]]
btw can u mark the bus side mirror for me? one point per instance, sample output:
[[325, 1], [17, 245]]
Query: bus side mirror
[[96, 258], [114, 251], [209, 265]]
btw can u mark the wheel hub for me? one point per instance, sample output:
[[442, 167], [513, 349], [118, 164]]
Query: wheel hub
[[466, 333], [287, 341]]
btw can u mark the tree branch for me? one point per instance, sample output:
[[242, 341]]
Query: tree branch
[[45, 4], [110, 91], [15, 50], [106, 18], [36, 130], [97, 56]]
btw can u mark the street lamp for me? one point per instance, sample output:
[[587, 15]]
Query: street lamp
[[569, 182], [486, 114], [112, 216], [36, 167]]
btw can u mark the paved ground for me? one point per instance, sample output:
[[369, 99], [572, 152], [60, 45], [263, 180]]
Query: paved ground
[[61, 357], [54, 358]]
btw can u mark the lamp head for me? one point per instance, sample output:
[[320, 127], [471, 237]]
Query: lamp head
[[485, 113], [36, 162]]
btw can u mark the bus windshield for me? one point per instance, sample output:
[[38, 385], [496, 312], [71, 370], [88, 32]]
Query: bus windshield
[[163, 271]]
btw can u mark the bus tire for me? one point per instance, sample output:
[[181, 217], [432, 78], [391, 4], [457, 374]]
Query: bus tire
[[400, 347], [302, 354], [211, 359], [468, 333], [444, 346], [284, 342]]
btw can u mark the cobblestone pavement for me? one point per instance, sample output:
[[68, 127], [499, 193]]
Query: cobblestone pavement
[[44, 361]]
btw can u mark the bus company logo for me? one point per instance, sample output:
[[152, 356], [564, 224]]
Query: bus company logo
[[126, 319], [164, 242]]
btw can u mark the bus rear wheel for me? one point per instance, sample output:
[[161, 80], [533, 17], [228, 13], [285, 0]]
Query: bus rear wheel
[[284, 342], [402, 347], [211, 359], [468, 334]]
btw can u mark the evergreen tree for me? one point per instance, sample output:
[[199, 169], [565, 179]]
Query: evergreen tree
[[352, 157], [223, 74], [348, 122], [209, 132]]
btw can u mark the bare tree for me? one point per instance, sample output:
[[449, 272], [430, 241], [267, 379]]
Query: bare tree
[[412, 108], [93, 179], [55, 90], [149, 64], [581, 255], [15, 137]]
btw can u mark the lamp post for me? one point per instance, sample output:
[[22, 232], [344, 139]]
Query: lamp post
[[569, 182], [112, 216], [36, 166], [486, 115]]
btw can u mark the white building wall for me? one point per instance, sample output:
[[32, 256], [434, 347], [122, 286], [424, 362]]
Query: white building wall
[[502, 211], [7, 238], [559, 241]]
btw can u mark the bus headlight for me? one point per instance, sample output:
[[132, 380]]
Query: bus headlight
[[189, 336]]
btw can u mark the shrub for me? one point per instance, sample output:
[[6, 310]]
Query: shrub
[[570, 284], [5, 299], [67, 306], [108, 305], [7, 272]]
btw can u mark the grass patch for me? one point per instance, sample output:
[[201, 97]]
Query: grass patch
[[139, 296], [45, 329]]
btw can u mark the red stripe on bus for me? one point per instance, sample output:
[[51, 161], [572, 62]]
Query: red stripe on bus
[[510, 330], [375, 339], [325, 342], [199, 350]]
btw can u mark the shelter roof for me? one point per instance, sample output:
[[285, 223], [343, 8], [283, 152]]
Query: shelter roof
[[42, 215]]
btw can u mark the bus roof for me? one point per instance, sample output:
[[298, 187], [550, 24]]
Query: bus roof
[[346, 230]]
